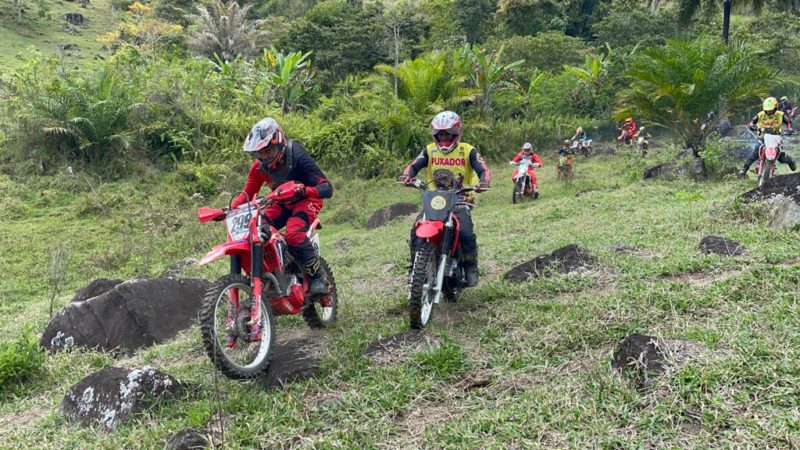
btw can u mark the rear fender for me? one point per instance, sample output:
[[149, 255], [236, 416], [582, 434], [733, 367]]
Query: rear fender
[[240, 247]]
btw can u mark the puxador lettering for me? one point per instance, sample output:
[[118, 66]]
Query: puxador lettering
[[439, 161]]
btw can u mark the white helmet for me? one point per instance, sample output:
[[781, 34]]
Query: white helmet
[[449, 122]]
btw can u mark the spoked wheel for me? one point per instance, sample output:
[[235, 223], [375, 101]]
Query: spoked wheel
[[519, 191], [226, 330], [766, 172], [451, 289], [321, 312], [423, 278]]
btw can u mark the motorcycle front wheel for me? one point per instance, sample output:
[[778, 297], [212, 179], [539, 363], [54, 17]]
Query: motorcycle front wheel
[[228, 342], [422, 285], [519, 190], [766, 172]]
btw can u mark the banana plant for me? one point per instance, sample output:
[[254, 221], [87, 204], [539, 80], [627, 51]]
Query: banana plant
[[289, 75]]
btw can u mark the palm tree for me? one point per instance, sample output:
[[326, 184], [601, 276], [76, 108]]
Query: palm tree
[[676, 85], [687, 9], [223, 30], [489, 75], [289, 75], [429, 83]]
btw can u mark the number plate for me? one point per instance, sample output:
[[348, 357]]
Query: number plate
[[237, 223]]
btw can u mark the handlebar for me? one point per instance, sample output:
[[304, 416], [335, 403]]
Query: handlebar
[[419, 184]]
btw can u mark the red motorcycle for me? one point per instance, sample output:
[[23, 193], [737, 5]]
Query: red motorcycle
[[435, 269], [236, 317], [768, 157]]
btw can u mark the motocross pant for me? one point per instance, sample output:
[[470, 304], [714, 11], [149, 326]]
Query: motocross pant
[[466, 237], [753, 157], [297, 218]]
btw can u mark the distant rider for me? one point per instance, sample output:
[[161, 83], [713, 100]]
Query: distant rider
[[628, 129], [786, 106], [769, 120], [527, 151]]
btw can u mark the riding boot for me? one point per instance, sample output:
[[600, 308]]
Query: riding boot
[[318, 282], [747, 163], [470, 264], [791, 163]]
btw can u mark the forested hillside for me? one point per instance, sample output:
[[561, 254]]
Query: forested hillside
[[119, 119]]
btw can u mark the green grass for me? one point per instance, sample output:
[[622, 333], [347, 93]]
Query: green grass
[[545, 345], [46, 33]]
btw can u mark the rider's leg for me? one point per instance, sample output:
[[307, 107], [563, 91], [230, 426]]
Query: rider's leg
[[534, 185], [786, 159], [469, 245], [750, 159], [303, 214]]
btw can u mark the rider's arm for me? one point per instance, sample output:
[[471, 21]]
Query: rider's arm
[[537, 160], [479, 166], [255, 179], [309, 173], [417, 164], [786, 120], [517, 157], [753, 122]]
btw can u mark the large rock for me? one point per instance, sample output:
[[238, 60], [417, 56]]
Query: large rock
[[785, 213], [385, 215], [188, 439], [74, 18], [693, 168], [722, 246], [111, 396], [292, 361], [564, 260], [786, 185], [134, 314]]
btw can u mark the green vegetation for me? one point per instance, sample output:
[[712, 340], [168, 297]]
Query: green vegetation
[[154, 130]]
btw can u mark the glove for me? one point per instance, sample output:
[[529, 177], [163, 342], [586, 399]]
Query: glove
[[299, 191], [482, 186], [405, 179]]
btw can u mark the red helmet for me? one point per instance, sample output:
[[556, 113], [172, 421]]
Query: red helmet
[[449, 122], [264, 133]]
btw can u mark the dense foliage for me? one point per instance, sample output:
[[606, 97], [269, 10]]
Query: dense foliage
[[357, 82]]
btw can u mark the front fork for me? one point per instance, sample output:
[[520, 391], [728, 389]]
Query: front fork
[[443, 259]]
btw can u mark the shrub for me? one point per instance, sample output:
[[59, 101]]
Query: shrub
[[19, 361]]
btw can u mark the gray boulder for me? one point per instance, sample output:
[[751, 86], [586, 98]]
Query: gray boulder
[[385, 215], [722, 246], [785, 213], [134, 314], [565, 260], [111, 396]]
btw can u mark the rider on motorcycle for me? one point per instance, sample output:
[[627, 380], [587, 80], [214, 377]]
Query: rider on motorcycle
[[277, 160], [527, 151], [448, 155], [628, 129], [580, 135], [786, 106], [769, 120]]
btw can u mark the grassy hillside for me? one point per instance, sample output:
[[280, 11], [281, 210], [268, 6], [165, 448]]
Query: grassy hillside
[[49, 33], [545, 346]]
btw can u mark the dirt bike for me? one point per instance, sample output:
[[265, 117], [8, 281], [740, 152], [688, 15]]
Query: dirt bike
[[435, 269], [768, 158], [564, 167], [582, 147], [523, 186], [236, 316], [625, 137], [642, 145]]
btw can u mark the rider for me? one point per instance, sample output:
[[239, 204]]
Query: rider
[[278, 160], [628, 129], [448, 155], [566, 149], [527, 151], [786, 106], [769, 120], [580, 134]]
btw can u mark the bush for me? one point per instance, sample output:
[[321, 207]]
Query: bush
[[19, 361], [548, 51]]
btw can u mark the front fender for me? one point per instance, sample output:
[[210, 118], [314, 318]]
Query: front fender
[[429, 228], [229, 248]]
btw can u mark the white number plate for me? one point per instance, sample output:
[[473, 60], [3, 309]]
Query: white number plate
[[237, 223]]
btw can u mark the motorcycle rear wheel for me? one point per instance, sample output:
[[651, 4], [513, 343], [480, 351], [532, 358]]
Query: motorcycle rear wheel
[[421, 294], [246, 359], [316, 314]]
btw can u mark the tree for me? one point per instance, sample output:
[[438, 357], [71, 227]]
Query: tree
[[473, 17], [289, 75], [528, 17], [676, 85], [223, 30], [489, 75]]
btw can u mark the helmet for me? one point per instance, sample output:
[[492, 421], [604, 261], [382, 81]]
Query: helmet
[[449, 122], [579, 130], [770, 104], [567, 142], [629, 119], [784, 99], [266, 132], [527, 147], [641, 128]]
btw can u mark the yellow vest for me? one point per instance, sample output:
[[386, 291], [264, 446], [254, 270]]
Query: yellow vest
[[770, 123], [456, 161]]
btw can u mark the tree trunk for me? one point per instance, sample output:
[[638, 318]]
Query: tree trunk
[[18, 6], [396, 30], [726, 19]]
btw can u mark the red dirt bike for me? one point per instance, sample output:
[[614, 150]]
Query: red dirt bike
[[768, 157], [435, 270], [523, 186], [564, 169], [236, 317]]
